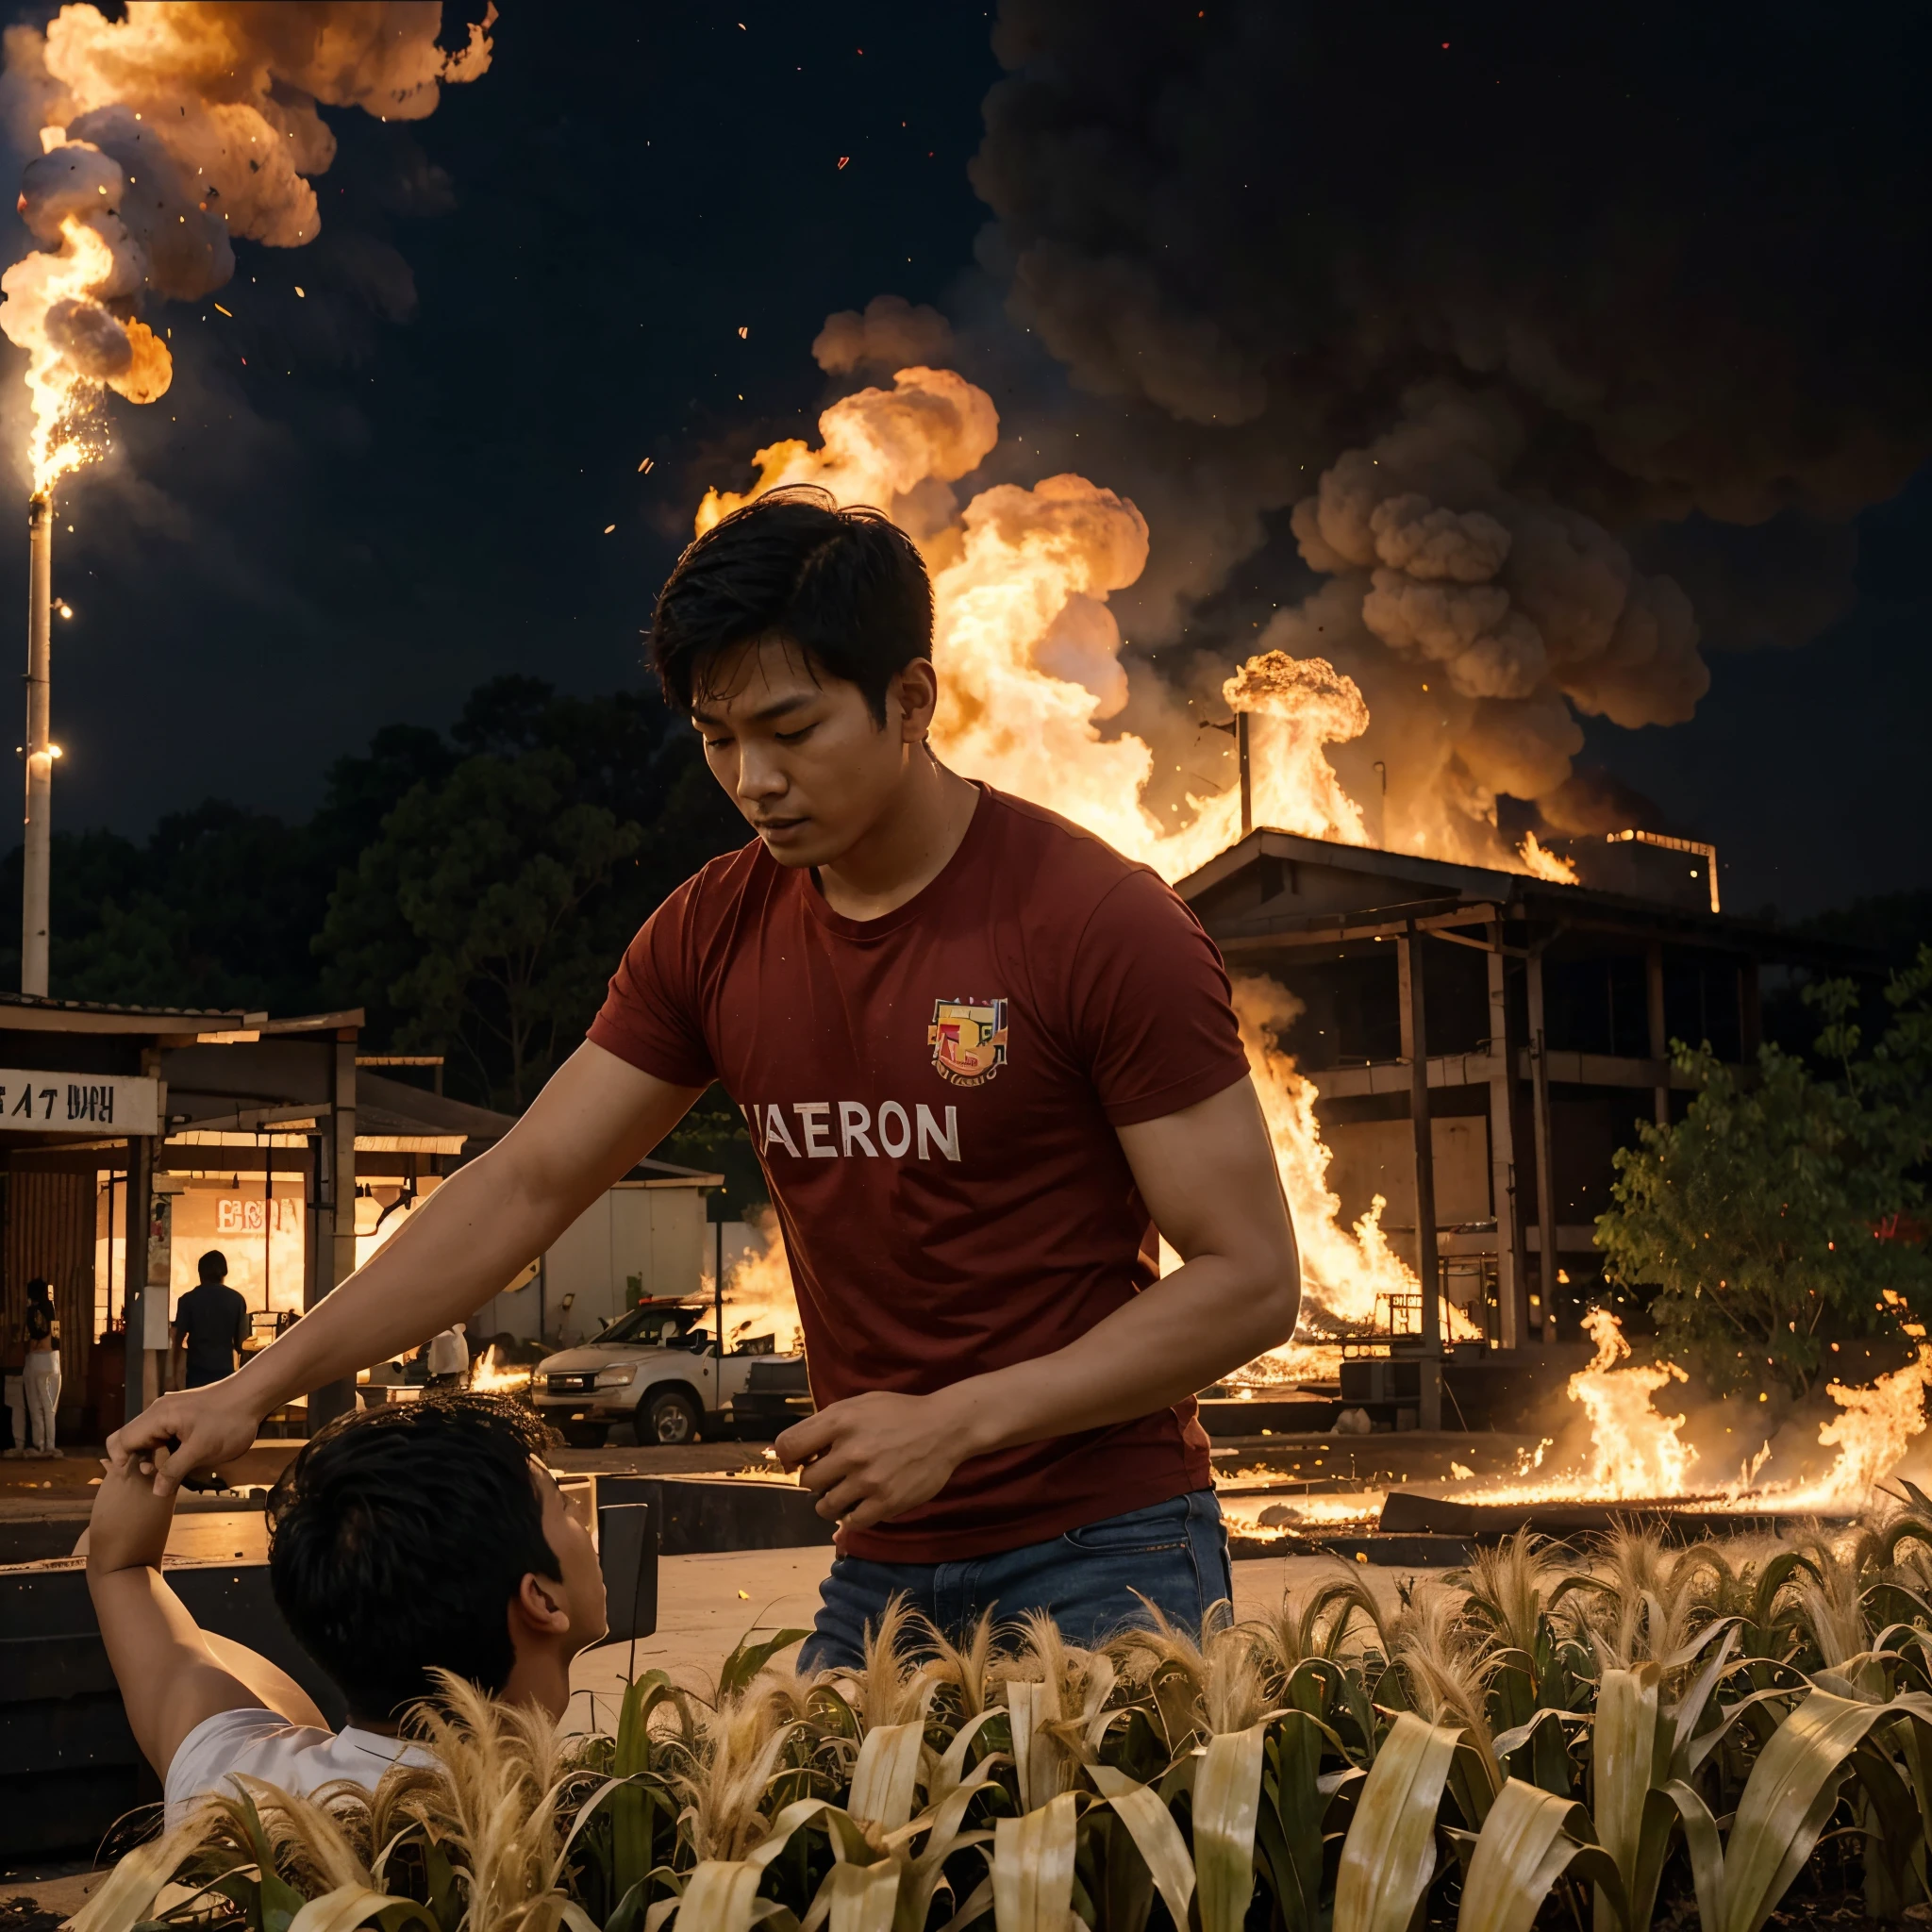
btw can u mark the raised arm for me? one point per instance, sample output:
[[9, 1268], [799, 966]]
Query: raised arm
[[172, 1674], [1208, 1177], [595, 1120]]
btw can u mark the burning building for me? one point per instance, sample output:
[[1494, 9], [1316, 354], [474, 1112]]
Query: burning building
[[1459, 969], [1458, 1050]]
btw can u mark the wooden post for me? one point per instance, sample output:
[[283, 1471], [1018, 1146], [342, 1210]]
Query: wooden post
[[335, 1229], [1410, 970], [141, 1180], [1659, 1046], [1545, 1184], [148, 1258], [1247, 782], [1512, 1280]]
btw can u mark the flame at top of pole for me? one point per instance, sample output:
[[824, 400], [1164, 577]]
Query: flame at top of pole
[[165, 135]]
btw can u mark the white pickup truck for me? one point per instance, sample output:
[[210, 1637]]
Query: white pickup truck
[[657, 1366]]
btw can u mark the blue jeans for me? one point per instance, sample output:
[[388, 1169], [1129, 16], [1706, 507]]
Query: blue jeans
[[1174, 1554]]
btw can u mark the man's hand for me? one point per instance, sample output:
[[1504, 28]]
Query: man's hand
[[204, 1426], [173, 1675], [877, 1455], [1208, 1174], [592, 1123]]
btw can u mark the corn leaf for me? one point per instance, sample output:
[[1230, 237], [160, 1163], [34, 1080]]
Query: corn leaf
[[1629, 1758], [864, 1896], [974, 1907], [1689, 1712], [884, 1779], [349, 1906], [277, 1901], [1294, 1807], [1033, 1868], [952, 1759], [1227, 1805], [1529, 1839], [941, 1825], [721, 1896], [1706, 1850], [1031, 1706], [1788, 1797], [1155, 1833], [1389, 1857], [128, 1894], [748, 1658]]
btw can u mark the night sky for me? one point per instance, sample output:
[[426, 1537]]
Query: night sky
[[405, 486]]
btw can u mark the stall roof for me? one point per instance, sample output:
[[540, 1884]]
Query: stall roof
[[22, 1012], [385, 1106]]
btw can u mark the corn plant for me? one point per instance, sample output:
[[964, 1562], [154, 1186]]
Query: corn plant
[[1616, 1728]]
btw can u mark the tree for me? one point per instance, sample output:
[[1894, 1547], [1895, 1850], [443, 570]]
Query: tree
[[1782, 1212], [488, 872]]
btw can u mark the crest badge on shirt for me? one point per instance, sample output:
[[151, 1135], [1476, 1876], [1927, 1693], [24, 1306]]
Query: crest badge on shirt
[[968, 1040]]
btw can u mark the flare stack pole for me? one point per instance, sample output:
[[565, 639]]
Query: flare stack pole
[[34, 851]]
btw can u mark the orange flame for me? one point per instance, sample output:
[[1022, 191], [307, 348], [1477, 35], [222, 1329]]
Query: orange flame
[[46, 284], [759, 1299], [1344, 1271], [1028, 650], [490, 1375], [1635, 1452]]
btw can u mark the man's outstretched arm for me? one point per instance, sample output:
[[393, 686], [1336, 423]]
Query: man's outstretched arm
[[597, 1118], [1208, 1177]]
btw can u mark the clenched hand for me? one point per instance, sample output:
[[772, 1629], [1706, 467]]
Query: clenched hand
[[210, 1425], [875, 1456]]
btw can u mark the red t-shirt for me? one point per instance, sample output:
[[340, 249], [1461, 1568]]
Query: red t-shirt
[[934, 1094]]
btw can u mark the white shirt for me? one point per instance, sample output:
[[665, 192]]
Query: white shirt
[[448, 1353], [262, 1744]]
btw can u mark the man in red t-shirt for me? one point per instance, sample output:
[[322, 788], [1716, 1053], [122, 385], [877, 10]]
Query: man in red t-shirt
[[982, 1058]]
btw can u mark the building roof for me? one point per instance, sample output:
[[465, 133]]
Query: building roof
[[1281, 884]]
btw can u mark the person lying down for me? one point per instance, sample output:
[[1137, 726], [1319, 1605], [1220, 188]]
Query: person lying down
[[401, 1541]]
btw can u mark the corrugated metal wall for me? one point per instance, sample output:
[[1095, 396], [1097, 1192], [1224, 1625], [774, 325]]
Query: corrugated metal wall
[[50, 1232]]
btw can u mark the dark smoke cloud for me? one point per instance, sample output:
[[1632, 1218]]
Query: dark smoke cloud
[[1678, 265]]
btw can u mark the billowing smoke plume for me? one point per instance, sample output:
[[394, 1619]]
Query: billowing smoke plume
[[1506, 612], [167, 135], [1535, 335]]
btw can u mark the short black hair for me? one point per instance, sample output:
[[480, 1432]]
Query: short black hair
[[848, 585], [399, 1537], [213, 1266], [38, 1290]]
